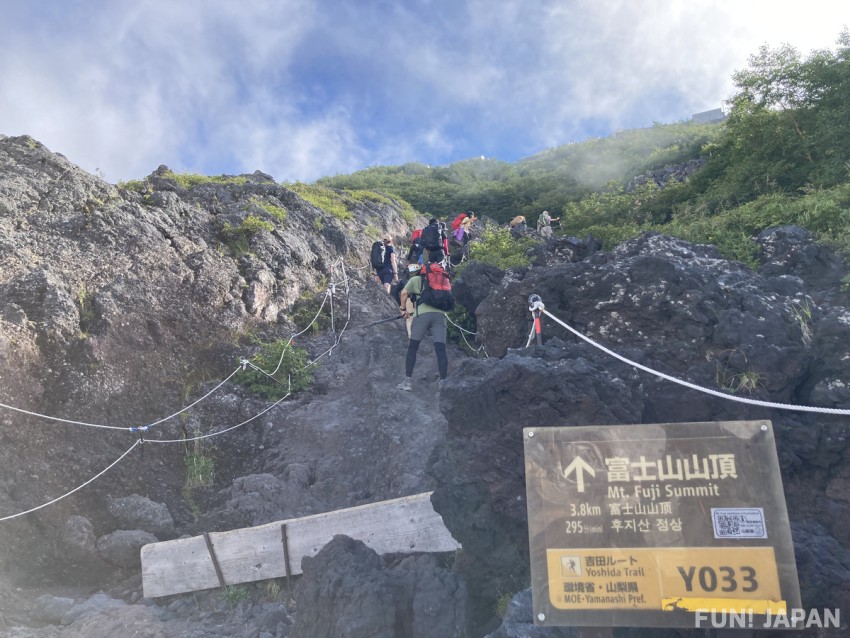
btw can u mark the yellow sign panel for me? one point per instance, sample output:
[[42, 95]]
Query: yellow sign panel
[[735, 579]]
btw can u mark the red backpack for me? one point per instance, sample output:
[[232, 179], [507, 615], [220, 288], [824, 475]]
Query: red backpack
[[458, 220], [436, 288], [414, 238]]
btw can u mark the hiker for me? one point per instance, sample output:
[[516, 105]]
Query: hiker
[[427, 318], [387, 273], [457, 231], [415, 253], [409, 304], [516, 221], [466, 226], [434, 237], [544, 224]]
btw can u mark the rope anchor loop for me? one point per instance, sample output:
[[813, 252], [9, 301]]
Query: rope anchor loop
[[535, 303]]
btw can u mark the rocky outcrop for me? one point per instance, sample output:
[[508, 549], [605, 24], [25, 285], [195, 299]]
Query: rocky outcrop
[[119, 305], [674, 307], [348, 590], [662, 176]]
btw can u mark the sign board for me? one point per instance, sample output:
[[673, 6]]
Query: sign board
[[644, 525]]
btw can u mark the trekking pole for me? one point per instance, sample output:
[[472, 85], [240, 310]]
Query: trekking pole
[[375, 323], [535, 305]]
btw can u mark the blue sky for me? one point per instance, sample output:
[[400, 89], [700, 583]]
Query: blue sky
[[301, 89]]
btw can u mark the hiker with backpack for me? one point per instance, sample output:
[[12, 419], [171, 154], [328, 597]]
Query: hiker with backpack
[[409, 304], [383, 260], [544, 224], [432, 291], [434, 237], [461, 227]]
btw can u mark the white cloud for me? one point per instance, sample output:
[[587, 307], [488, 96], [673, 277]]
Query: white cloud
[[303, 88], [141, 83]]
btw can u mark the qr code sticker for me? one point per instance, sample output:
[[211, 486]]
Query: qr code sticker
[[735, 522]]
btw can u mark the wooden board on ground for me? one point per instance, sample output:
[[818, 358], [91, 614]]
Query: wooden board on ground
[[401, 525]]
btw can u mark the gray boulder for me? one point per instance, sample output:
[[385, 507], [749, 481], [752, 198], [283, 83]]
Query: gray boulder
[[122, 547], [51, 609], [139, 512], [76, 541], [347, 590]]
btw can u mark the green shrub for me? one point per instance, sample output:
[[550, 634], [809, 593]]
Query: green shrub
[[291, 364], [200, 469], [306, 309], [497, 248], [136, 185], [323, 197], [188, 180], [277, 212], [235, 594], [238, 237], [460, 316]]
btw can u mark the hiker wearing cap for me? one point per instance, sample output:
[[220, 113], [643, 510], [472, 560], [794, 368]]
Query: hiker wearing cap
[[389, 273], [433, 298]]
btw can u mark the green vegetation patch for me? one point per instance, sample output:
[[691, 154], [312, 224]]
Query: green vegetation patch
[[340, 202], [497, 248], [136, 185], [238, 238], [274, 210], [283, 364], [325, 198], [189, 180]]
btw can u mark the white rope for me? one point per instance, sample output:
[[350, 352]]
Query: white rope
[[463, 336], [117, 427], [297, 334], [348, 310], [212, 434], [76, 489], [693, 386], [193, 404], [61, 420], [530, 337]]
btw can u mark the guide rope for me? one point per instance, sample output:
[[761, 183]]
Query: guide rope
[[76, 489], [243, 364], [723, 395], [463, 333]]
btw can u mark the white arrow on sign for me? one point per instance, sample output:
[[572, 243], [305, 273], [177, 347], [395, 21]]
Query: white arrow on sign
[[579, 466]]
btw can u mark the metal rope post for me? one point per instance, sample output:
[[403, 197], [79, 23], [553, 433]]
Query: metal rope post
[[535, 306], [331, 292]]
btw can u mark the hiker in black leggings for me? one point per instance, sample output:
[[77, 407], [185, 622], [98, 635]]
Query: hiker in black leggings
[[426, 319]]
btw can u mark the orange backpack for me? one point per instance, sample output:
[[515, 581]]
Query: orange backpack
[[458, 220], [436, 288]]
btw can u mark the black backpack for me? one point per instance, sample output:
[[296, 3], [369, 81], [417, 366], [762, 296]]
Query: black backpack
[[432, 237], [436, 288], [377, 255]]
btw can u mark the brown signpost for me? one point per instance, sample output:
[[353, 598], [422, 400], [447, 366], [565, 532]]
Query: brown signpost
[[657, 525]]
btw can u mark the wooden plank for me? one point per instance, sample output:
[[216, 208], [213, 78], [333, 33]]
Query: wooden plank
[[402, 525]]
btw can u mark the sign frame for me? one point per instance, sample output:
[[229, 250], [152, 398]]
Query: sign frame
[[718, 481]]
